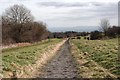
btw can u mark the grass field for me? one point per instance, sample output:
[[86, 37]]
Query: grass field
[[104, 52], [27, 55]]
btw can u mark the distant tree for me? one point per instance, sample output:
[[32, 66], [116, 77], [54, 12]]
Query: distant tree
[[104, 25], [96, 35], [84, 33], [113, 31]]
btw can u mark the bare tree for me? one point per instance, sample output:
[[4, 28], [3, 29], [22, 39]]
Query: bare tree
[[18, 26], [104, 25], [18, 14], [16, 17]]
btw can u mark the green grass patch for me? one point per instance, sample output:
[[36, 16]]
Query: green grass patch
[[26, 55], [104, 52]]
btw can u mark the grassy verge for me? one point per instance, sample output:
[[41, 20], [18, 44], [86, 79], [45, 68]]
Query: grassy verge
[[104, 52], [14, 58]]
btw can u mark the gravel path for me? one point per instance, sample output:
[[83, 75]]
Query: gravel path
[[61, 66]]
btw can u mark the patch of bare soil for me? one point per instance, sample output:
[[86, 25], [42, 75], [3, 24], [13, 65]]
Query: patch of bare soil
[[61, 66]]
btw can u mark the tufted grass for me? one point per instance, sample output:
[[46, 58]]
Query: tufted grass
[[104, 52]]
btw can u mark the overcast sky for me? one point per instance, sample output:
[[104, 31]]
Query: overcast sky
[[69, 13]]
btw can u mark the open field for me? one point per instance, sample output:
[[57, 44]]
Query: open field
[[98, 58], [82, 58], [15, 58]]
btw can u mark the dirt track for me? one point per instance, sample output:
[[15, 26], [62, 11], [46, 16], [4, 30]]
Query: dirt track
[[61, 66]]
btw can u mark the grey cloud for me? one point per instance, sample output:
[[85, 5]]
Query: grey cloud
[[62, 4], [107, 10], [75, 4], [85, 12], [97, 3]]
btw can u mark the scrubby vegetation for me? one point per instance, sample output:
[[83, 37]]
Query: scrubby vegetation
[[104, 52]]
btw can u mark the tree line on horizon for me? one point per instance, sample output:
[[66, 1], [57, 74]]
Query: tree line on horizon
[[110, 32], [105, 31]]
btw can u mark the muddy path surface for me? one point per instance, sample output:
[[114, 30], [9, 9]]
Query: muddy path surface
[[61, 66]]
